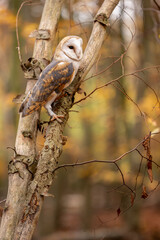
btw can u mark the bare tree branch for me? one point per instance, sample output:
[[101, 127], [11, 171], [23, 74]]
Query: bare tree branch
[[113, 161], [117, 80]]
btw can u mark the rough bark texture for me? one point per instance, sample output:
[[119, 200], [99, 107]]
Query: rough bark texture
[[27, 190]]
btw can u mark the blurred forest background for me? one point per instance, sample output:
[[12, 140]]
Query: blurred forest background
[[92, 201]]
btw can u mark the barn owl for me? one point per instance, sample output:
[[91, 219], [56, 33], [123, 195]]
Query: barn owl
[[55, 77]]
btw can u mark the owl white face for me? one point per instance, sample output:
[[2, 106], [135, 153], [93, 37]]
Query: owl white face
[[72, 48], [69, 49]]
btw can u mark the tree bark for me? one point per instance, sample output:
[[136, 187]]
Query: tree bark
[[27, 188]]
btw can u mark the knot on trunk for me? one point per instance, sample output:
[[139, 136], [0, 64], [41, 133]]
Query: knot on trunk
[[15, 165], [33, 67], [102, 19], [41, 34]]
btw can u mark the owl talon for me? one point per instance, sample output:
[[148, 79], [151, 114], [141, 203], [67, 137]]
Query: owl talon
[[57, 118]]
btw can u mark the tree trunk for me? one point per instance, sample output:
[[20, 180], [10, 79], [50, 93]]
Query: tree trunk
[[26, 187]]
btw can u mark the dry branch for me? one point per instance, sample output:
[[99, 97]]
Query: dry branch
[[26, 190]]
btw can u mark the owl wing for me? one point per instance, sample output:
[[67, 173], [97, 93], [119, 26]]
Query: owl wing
[[53, 79]]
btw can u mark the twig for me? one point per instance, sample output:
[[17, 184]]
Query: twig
[[128, 97], [118, 78], [137, 71], [148, 86], [140, 165], [18, 42], [14, 149], [102, 161], [158, 6]]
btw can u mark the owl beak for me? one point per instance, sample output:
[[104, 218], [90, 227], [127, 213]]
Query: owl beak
[[79, 54]]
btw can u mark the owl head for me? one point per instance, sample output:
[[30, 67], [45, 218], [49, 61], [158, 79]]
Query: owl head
[[69, 49]]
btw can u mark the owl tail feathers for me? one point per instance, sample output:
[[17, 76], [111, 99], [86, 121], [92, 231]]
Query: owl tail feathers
[[22, 110], [26, 109]]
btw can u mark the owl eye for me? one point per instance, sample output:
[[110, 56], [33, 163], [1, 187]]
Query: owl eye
[[71, 47]]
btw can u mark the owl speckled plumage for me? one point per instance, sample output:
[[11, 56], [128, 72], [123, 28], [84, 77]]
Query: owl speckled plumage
[[55, 77]]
